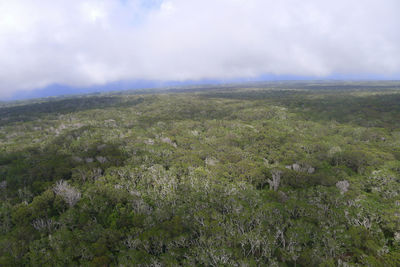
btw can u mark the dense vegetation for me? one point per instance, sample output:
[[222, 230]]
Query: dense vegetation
[[289, 175]]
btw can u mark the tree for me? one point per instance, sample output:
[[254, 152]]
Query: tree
[[67, 192], [276, 179]]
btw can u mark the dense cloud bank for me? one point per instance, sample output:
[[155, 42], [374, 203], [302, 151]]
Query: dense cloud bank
[[84, 43]]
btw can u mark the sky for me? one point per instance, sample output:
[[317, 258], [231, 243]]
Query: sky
[[59, 46]]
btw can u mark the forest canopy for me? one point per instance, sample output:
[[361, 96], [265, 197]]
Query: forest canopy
[[283, 174]]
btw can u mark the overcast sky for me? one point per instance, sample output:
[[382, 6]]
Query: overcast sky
[[84, 43]]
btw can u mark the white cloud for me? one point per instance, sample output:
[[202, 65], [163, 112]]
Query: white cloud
[[89, 42]]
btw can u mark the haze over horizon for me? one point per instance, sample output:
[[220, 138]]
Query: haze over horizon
[[59, 47]]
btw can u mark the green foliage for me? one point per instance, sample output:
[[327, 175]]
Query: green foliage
[[231, 177]]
